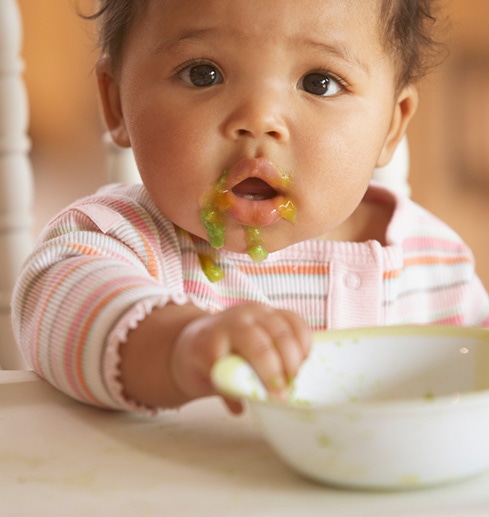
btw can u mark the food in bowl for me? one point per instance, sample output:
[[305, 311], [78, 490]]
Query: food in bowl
[[378, 408]]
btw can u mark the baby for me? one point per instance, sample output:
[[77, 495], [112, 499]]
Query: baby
[[256, 127]]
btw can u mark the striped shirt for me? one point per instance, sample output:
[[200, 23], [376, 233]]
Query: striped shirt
[[107, 260]]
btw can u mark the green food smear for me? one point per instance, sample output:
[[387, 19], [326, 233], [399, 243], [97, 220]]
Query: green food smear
[[213, 222], [323, 440], [410, 480], [212, 215], [211, 270]]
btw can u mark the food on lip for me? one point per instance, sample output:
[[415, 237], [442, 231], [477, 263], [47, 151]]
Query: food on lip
[[287, 210], [252, 191], [258, 190]]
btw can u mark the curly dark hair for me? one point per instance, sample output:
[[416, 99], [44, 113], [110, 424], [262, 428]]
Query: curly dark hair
[[408, 29], [406, 26]]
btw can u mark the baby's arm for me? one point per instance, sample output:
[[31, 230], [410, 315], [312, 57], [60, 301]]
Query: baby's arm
[[101, 307], [166, 361]]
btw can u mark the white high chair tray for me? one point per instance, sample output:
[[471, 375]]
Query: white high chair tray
[[59, 457]]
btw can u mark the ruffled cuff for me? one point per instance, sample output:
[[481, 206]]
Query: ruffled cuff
[[111, 363]]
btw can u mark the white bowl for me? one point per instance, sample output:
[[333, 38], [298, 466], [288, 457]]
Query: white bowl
[[379, 408]]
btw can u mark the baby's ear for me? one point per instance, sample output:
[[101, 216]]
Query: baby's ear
[[404, 109], [110, 99]]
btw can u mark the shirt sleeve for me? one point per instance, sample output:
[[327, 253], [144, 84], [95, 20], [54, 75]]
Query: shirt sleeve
[[97, 270]]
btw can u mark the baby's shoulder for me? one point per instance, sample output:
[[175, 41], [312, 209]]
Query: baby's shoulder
[[113, 209], [418, 229]]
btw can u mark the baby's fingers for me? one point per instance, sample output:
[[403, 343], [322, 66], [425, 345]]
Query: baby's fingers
[[275, 345], [256, 346], [292, 338], [286, 347]]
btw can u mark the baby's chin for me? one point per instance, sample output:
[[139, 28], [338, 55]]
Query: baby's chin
[[258, 243]]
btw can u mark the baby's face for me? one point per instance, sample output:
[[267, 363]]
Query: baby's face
[[265, 114]]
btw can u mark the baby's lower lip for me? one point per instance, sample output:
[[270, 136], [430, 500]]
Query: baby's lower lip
[[252, 212]]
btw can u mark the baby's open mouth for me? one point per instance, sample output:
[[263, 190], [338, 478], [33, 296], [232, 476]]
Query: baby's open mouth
[[253, 193], [254, 189]]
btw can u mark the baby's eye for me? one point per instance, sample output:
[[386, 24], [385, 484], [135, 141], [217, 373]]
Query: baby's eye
[[322, 84], [201, 75]]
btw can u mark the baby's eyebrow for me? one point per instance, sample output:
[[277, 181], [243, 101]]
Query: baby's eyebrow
[[190, 34], [336, 49]]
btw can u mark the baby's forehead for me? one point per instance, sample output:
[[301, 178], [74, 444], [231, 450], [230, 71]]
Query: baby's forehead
[[322, 17], [404, 27]]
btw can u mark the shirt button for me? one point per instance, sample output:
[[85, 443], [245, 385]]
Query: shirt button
[[352, 280]]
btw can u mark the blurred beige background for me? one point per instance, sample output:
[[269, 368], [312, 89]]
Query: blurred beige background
[[449, 137]]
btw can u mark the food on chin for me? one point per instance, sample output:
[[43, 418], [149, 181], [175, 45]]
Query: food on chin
[[256, 250]]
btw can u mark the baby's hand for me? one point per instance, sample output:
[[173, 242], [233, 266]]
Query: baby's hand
[[274, 342]]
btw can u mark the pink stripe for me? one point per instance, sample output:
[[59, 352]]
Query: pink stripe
[[415, 243], [74, 346], [58, 278], [457, 320], [148, 239], [201, 290], [134, 217]]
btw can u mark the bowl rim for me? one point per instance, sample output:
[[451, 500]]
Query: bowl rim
[[406, 330], [462, 401]]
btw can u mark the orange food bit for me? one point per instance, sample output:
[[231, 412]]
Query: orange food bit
[[287, 211]]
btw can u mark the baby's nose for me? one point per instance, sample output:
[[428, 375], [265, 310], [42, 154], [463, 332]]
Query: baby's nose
[[258, 116]]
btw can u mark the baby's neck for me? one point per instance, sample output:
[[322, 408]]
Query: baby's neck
[[368, 222]]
